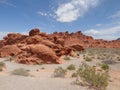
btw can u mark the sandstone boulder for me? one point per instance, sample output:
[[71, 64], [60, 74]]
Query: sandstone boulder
[[34, 39], [45, 53], [9, 50], [33, 32]]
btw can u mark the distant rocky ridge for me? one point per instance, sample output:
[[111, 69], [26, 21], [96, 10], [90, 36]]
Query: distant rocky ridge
[[39, 47], [118, 39]]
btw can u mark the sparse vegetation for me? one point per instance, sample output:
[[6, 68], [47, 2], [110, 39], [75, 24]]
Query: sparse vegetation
[[2, 65], [109, 61], [74, 75], [88, 75], [60, 72], [105, 67], [88, 59], [71, 67], [66, 58], [21, 72]]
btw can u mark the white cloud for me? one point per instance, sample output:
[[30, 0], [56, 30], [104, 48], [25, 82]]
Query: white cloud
[[2, 34], [7, 3], [115, 15], [74, 9], [110, 33]]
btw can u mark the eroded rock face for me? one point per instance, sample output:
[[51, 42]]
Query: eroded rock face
[[37, 54], [39, 47], [9, 50], [44, 52]]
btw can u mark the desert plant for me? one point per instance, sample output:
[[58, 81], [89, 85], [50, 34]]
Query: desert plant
[[71, 67], [21, 72], [60, 72], [105, 66], [88, 59], [1, 68], [66, 58], [87, 75], [74, 75], [2, 65]]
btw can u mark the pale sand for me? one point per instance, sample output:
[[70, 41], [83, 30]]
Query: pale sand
[[43, 79]]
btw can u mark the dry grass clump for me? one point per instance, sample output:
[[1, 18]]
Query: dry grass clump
[[21, 72], [67, 58], [88, 75], [88, 58], [60, 72], [2, 65]]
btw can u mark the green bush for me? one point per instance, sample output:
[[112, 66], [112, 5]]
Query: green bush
[[104, 66], [60, 72], [21, 72], [87, 75], [66, 58], [71, 67]]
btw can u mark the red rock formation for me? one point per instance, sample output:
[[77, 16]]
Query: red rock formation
[[9, 50], [40, 47], [36, 54], [33, 32]]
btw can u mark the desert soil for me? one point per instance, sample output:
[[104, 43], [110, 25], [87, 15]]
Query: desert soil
[[42, 77]]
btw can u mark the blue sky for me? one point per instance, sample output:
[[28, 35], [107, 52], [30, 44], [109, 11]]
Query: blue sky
[[97, 18]]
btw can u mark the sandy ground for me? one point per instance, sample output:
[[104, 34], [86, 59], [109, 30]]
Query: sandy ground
[[43, 78]]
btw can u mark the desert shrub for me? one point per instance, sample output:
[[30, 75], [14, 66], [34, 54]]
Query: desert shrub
[[60, 72], [71, 67], [87, 75], [2, 65], [78, 53], [74, 75], [88, 59], [66, 58], [118, 58], [21, 72], [104, 66], [1, 68], [84, 55]]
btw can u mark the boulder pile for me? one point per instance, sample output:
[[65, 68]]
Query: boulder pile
[[39, 47]]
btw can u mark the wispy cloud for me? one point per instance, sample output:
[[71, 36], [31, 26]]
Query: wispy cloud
[[115, 15], [7, 3], [74, 9], [110, 33], [98, 25], [42, 14], [46, 14], [112, 30]]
